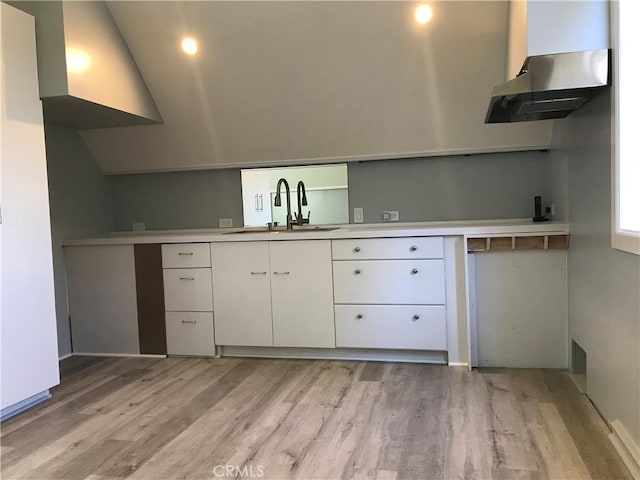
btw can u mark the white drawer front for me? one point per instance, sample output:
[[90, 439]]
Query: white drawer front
[[188, 290], [388, 248], [186, 255], [391, 326], [389, 282], [190, 333]]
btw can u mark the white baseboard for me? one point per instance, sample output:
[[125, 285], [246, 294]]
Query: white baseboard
[[626, 447], [134, 355], [64, 357], [458, 364], [23, 405]]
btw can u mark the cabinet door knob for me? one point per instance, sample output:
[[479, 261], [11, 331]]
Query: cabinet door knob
[[357, 271], [415, 317], [187, 278], [356, 250], [413, 248], [414, 271], [359, 316]]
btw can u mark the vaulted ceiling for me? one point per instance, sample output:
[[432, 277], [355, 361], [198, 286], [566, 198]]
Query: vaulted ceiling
[[311, 81]]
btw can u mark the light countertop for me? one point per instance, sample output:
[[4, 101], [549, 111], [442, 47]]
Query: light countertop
[[472, 228]]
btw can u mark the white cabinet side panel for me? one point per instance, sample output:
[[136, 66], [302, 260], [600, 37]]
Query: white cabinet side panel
[[454, 264], [29, 349], [101, 283], [521, 309]]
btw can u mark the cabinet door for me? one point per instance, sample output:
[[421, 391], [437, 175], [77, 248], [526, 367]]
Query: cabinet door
[[302, 297], [101, 284], [256, 207], [241, 293]]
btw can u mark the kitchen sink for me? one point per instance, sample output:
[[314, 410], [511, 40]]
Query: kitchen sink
[[295, 230]]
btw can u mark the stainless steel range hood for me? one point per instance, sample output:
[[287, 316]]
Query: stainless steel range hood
[[550, 86]]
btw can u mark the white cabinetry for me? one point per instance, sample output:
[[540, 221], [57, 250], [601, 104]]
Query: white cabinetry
[[242, 293], [29, 354], [301, 292], [414, 327], [188, 299], [273, 293], [392, 296], [256, 197]]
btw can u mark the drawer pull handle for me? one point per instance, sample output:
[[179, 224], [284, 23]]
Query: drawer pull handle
[[189, 321], [414, 271], [413, 248], [356, 250], [415, 317], [258, 273], [357, 271], [281, 273], [359, 316], [185, 253], [187, 278]]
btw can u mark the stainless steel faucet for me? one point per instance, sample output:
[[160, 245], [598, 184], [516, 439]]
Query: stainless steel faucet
[[278, 201], [302, 200]]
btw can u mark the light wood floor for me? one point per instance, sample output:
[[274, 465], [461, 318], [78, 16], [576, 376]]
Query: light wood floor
[[187, 418]]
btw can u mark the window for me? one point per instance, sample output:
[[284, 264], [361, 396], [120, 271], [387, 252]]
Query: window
[[625, 232]]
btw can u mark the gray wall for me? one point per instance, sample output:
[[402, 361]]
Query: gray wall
[[499, 185], [178, 200], [81, 206], [604, 283]]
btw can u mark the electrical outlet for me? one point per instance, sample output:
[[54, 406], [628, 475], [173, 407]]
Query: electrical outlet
[[358, 215], [225, 222], [391, 216]]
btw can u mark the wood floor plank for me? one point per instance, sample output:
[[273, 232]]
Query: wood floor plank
[[90, 460], [219, 408], [469, 454], [587, 430], [167, 429], [558, 451], [423, 454], [181, 418], [513, 449]]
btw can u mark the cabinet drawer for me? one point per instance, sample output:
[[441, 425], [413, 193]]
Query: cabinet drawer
[[190, 333], [186, 255], [391, 326], [188, 290], [389, 282], [388, 248]]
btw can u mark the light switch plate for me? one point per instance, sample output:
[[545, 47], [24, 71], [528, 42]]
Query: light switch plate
[[358, 215], [225, 222]]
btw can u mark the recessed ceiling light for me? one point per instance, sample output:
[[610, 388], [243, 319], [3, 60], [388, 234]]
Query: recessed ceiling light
[[189, 46], [423, 14], [78, 60]]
